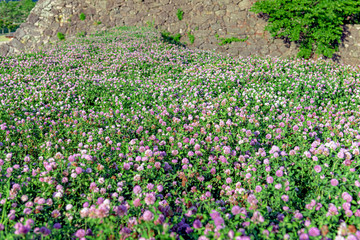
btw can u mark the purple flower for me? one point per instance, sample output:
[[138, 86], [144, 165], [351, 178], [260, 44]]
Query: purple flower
[[21, 229], [258, 188], [197, 224], [257, 217], [219, 222], [279, 173], [332, 210], [317, 168], [126, 166], [137, 189], [150, 199], [80, 233], [314, 232], [78, 170], [45, 231], [334, 182], [346, 206], [357, 213], [269, 180], [235, 210], [148, 216], [228, 180], [227, 150], [341, 154], [303, 236], [285, 198], [160, 188], [57, 226], [348, 213], [121, 210]]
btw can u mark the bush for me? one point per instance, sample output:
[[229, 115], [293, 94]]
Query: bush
[[61, 36], [313, 24], [180, 14], [82, 16]]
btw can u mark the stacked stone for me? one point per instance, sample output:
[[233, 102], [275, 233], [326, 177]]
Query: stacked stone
[[204, 18]]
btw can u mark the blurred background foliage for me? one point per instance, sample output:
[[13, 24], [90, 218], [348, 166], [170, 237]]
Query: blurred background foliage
[[13, 13]]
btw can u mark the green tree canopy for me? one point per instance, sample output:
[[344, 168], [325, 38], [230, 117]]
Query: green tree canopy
[[314, 24]]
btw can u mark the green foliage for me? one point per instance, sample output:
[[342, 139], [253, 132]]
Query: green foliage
[[313, 24], [191, 37], [166, 37], [81, 34], [151, 24], [82, 16], [180, 14], [229, 40], [12, 14], [61, 36]]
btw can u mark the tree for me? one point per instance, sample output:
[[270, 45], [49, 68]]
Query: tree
[[12, 13]]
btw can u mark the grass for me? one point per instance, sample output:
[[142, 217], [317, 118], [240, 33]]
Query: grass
[[3, 38]]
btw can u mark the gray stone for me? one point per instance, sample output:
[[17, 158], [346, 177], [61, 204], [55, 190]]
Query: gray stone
[[245, 4], [4, 49], [16, 44]]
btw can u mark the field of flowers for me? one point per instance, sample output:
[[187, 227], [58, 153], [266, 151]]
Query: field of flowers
[[122, 136]]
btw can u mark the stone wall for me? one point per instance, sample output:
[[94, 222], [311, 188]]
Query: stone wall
[[204, 18]]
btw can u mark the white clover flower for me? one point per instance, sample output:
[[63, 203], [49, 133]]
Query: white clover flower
[[101, 180], [68, 207]]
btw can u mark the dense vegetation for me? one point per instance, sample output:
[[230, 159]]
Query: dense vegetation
[[13, 13], [119, 135], [315, 25]]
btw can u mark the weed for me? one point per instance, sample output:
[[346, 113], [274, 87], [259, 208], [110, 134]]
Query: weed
[[166, 37], [229, 40], [180, 14], [191, 37], [82, 16], [61, 36]]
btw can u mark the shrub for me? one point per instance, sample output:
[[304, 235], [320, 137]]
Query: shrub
[[313, 24], [180, 14], [61, 36], [82, 16]]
